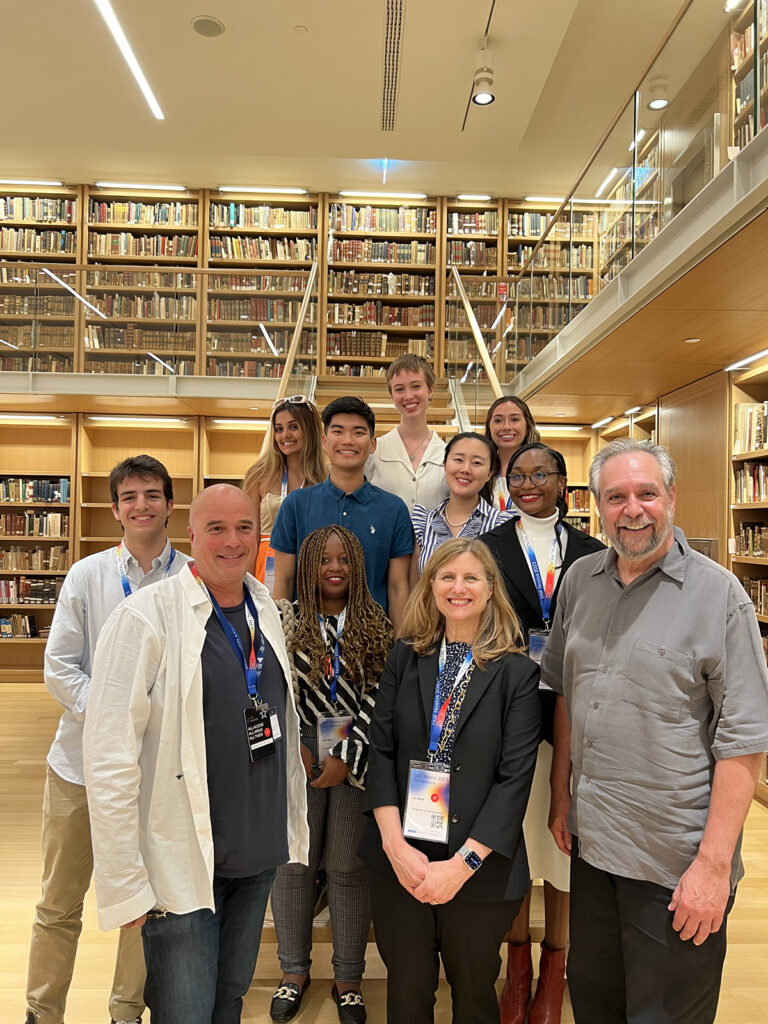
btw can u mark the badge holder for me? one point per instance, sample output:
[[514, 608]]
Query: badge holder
[[426, 803], [537, 641], [259, 731], [332, 729]]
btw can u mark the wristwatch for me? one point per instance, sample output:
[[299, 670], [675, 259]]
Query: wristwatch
[[471, 859]]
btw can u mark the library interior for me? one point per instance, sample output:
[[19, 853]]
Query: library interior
[[564, 202]]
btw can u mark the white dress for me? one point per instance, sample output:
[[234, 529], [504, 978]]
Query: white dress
[[390, 468]]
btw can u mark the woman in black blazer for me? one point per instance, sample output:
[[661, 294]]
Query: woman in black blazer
[[533, 552], [446, 870]]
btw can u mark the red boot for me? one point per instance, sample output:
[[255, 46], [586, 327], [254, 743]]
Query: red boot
[[517, 987], [548, 1001]]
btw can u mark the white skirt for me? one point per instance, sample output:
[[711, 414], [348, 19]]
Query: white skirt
[[544, 858]]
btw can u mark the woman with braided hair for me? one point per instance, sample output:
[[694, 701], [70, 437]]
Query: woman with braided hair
[[338, 641]]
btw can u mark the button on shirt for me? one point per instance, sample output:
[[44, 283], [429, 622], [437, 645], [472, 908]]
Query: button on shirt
[[662, 678], [379, 520], [90, 592]]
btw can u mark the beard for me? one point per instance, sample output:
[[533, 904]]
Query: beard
[[655, 538]]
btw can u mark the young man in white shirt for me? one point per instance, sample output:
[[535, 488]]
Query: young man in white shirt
[[142, 501]]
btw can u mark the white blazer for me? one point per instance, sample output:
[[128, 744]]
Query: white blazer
[[144, 752]]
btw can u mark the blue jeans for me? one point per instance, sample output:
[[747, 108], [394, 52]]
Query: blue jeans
[[199, 965]]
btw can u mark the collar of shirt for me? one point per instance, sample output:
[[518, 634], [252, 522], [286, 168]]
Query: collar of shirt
[[157, 563], [672, 563], [360, 495]]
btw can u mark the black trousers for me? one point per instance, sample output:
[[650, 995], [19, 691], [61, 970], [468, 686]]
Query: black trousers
[[627, 964], [412, 936]]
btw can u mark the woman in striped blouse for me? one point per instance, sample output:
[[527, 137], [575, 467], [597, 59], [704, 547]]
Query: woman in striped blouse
[[338, 641], [471, 462]]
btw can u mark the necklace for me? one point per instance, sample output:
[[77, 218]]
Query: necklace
[[456, 526], [412, 455]]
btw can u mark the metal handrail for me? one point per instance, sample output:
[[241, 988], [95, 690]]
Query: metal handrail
[[477, 334], [290, 357]]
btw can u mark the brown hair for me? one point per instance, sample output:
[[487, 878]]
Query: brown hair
[[412, 364], [424, 625], [271, 462], [531, 433]]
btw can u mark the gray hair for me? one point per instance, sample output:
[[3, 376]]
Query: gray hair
[[625, 446]]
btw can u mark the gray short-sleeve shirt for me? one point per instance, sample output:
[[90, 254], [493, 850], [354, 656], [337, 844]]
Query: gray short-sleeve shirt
[[662, 678]]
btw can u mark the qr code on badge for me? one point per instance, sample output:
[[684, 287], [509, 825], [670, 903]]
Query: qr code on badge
[[437, 821]]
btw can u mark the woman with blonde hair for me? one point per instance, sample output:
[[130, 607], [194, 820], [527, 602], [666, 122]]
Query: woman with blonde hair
[[452, 750], [291, 458]]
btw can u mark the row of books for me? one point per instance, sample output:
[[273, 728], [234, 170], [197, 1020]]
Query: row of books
[[752, 540], [356, 370], [539, 287], [244, 215], [250, 341], [751, 482], [37, 305], [368, 250], [258, 282], [373, 312], [749, 427], [744, 93], [418, 219], [528, 224], [173, 279], [34, 524], [142, 367], [472, 254], [521, 350], [578, 499], [236, 247], [757, 588], [478, 223], [30, 590], [553, 256], [121, 243], [38, 208], [97, 337], [51, 558], [369, 344], [37, 363], [34, 488], [29, 240], [247, 368], [116, 212], [21, 627], [479, 286], [38, 336], [578, 524], [352, 282], [268, 310], [150, 307], [541, 318], [456, 317], [576, 224]]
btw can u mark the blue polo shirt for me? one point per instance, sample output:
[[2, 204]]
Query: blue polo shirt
[[378, 519]]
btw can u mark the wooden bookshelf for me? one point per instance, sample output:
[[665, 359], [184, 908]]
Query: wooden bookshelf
[[142, 227], [228, 447], [37, 468], [746, 36]]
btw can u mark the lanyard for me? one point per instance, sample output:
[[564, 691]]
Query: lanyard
[[284, 485], [252, 666], [439, 711], [126, 583], [544, 591], [336, 670], [500, 493]]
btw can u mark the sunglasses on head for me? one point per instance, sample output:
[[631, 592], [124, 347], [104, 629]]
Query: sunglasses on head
[[291, 400]]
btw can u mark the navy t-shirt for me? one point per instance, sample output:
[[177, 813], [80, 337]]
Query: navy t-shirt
[[248, 801]]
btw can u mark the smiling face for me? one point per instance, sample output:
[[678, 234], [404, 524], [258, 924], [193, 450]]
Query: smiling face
[[540, 499], [507, 426], [348, 441], [222, 529], [289, 439], [635, 508], [334, 575], [461, 591], [142, 509], [410, 394], [467, 467]]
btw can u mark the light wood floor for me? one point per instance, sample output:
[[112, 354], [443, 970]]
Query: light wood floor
[[28, 719]]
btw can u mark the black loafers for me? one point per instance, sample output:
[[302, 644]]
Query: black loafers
[[350, 1006], [286, 1002]]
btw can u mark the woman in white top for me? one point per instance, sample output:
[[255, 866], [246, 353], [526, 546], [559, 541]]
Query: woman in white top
[[291, 458], [408, 461], [509, 424]]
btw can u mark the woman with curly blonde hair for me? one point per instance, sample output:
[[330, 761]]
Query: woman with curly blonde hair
[[338, 641]]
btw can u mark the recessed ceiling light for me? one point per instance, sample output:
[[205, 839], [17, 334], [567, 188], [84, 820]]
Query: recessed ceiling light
[[357, 194], [692, 341], [207, 26], [658, 104], [30, 181], [473, 197], [277, 190], [136, 185]]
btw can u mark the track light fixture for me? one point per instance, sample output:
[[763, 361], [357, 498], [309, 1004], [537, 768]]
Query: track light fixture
[[482, 86]]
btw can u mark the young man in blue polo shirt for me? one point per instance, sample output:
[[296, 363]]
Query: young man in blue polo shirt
[[378, 519]]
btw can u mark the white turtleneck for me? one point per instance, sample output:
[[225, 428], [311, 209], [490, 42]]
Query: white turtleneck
[[541, 534]]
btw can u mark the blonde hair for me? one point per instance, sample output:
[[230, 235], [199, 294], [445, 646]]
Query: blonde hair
[[271, 462], [499, 632]]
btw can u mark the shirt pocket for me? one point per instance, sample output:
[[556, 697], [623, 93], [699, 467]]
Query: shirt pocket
[[657, 679]]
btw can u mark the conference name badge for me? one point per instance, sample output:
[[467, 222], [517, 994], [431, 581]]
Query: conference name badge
[[332, 729], [426, 803], [259, 732], [537, 641]]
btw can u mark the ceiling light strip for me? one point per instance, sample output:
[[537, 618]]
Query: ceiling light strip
[[114, 26]]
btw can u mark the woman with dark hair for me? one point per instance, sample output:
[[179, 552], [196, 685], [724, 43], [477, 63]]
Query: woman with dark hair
[[470, 463], [292, 457], [452, 749], [533, 552], [338, 640], [510, 424]]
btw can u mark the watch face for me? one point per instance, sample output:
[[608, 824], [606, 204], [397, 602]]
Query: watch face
[[472, 859]]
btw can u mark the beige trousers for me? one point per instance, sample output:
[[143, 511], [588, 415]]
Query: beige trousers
[[67, 870]]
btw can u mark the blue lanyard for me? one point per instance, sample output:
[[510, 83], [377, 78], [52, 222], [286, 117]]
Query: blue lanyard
[[253, 666], [126, 583], [544, 592], [439, 711], [284, 485], [336, 658]]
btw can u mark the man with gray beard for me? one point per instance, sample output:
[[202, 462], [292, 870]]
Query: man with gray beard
[[664, 717]]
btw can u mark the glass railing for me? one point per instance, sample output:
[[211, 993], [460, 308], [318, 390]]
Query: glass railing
[[477, 314], [701, 100]]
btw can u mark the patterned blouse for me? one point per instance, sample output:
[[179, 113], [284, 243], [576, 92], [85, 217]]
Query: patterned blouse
[[455, 655], [432, 530]]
